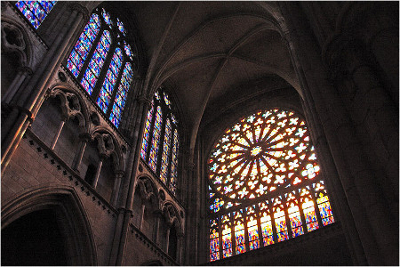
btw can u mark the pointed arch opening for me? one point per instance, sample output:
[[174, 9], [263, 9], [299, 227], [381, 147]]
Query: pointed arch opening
[[59, 210]]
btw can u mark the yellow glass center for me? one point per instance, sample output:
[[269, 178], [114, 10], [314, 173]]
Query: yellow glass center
[[255, 151]]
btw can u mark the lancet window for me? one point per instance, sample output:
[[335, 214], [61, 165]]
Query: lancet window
[[160, 145], [35, 11], [265, 185], [102, 61]]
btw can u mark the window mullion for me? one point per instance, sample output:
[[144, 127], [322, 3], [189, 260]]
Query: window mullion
[[104, 69], [258, 218], [288, 223], [161, 143], [233, 234], [115, 88], [303, 219], [90, 54], [314, 199], [151, 130], [274, 231], [171, 150], [246, 231], [220, 251]]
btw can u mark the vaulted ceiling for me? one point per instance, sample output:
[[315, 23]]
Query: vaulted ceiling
[[209, 53]]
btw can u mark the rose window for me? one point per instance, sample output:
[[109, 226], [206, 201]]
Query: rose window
[[261, 153]]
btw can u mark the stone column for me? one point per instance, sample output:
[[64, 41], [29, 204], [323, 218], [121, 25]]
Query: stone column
[[128, 186], [117, 182], [156, 238], [179, 247], [23, 73], [84, 139], [353, 168], [55, 139], [142, 216], [98, 172], [27, 104], [167, 239]]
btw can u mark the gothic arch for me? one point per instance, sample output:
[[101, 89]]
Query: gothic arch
[[148, 190], [15, 39], [75, 226], [72, 105], [109, 146], [171, 215]]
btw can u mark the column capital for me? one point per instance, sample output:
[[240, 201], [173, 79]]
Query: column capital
[[143, 99], [25, 70], [119, 173], [80, 9]]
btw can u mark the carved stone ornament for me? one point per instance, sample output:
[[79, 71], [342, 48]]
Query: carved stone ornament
[[12, 40], [105, 143], [70, 105]]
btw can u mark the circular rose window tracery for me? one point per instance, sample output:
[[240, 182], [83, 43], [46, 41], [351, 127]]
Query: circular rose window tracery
[[265, 151]]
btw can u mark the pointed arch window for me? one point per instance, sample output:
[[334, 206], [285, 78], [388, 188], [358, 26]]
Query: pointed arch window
[[35, 11], [160, 144], [265, 185], [102, 61]]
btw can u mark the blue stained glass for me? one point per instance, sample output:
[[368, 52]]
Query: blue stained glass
[[106, 17], [121, 26], [123, 87], [115, 119], [94, 21], [119, 100], [82, 47], [72, 68], [156, 140], [146, 135], [47, 5], [86, 86], [128, 49], [35, 11], [96, 63], [174, 163], [166, 151]]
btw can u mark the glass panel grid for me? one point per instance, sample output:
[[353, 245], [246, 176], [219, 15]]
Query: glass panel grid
[[35, 11], [146, 135], [96, 63], [156, 140]]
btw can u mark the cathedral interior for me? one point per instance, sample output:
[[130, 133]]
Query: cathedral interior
[[199, 133]]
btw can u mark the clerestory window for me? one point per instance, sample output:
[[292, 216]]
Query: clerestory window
[[264, 184], [160, 145], [102, 61], [35, 11]]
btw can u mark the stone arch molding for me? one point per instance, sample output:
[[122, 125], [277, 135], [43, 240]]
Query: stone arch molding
[[148, 190], [171, 215], [75, 226], [72, 105], [108, 146], [15, 39]]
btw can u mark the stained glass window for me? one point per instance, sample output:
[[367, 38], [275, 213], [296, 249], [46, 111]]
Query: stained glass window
[[226, 236], [102, 61], [160, 144], [214, 238], [35, 11], [263, 171]]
